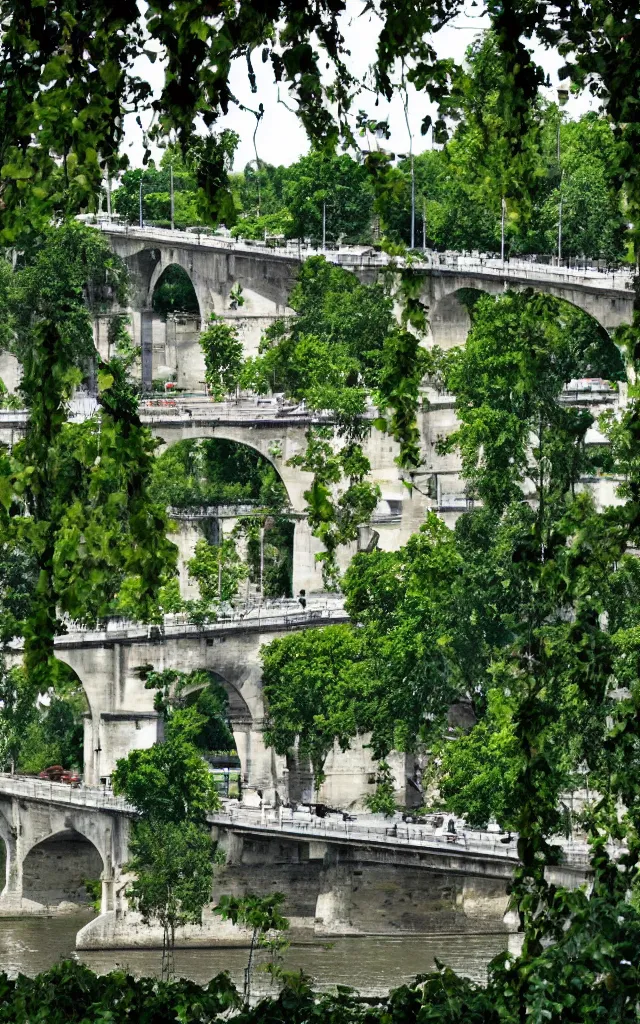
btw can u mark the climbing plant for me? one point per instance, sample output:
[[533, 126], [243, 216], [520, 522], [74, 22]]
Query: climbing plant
[[74, 496]]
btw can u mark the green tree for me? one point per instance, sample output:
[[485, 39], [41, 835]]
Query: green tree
[[262, 915], [340, 186], [170, 845], [218, 570], [174, 293], [223, 357], [74, 496]]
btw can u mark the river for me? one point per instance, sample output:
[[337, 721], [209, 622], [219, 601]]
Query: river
[[371, 964]]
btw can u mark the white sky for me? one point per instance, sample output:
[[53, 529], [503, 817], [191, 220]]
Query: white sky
[[281, 138]]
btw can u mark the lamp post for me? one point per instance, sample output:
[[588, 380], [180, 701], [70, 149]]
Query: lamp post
[[563, 96], [171, 196], [502, 227], [140, 201]]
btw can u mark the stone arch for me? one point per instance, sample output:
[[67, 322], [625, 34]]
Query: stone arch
[[609, 307], [192, 528], [449, 320], [66, 657], [240, 718], [160, 270], [56, 868]]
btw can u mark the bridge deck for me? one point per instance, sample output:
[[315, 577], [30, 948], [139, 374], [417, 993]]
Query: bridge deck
[[458, 853]]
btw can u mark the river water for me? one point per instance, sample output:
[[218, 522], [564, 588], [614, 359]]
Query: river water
[[370, 964]]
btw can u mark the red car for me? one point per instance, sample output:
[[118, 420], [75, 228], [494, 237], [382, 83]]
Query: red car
[[56, 773]]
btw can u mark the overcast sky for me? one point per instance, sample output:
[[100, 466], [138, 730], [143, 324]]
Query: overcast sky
[[281, 139]]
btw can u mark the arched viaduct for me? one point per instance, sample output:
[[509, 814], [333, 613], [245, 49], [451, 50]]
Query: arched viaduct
[[121, 715], [216, 266]]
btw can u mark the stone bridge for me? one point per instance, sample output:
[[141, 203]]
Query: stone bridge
[[362, 876], [216, 266], [121, 716]]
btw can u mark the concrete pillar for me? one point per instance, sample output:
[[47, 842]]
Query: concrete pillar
[[146, 346], [307, 573], [333, 902], [11, 832]]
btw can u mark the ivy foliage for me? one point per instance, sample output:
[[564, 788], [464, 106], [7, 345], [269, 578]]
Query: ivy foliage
[[74, 496], [527, 610], [341, 354], [214, 471], [223, 357]]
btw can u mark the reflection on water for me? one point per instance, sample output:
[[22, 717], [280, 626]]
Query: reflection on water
[[371, 964]]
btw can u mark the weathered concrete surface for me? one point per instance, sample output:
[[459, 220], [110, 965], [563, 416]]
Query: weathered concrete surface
[[52, 849], [326, 895]]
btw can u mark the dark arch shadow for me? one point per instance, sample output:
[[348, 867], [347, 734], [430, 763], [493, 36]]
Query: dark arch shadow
[[174, 293], [56, 870]]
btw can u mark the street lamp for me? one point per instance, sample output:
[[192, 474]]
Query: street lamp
[[171, 194], [140, 201], [563, 96]]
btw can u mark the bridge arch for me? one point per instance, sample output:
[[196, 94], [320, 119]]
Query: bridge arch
[[56, 868], [608, 307], [450, 321]]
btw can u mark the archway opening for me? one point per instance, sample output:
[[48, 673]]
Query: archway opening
[[62, 869], [222, 492], [53, 733], [177, 357], [225, 716], [174, 294]]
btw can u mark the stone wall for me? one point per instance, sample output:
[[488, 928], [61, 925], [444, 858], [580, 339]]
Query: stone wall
[[54, 872]]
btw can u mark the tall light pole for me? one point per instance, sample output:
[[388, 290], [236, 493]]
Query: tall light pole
[[563, 96], [171, 194], [413, 203], [140, 202], [502, 227], [324, 224], [424, 224]]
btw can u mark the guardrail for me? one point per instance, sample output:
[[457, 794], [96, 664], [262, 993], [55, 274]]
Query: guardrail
[[485, 844], [533, 269], [283, 822], [42, 791], [252, 617]]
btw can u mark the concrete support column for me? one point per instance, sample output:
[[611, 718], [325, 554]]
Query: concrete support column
[[307, 574], [11, 833], [334, 900], [146, 346]]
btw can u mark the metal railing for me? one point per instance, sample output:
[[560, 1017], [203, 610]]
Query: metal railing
[[42, 791], [285, 614], [283, 822], [427, 836], [532, 268]]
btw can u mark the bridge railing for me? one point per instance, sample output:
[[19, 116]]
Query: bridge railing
[[422, 836], [532, 267], [40, 790], [262, 615]]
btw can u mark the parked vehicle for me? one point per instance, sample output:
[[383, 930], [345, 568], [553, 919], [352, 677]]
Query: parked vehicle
[[56, 773]]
